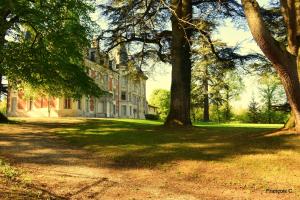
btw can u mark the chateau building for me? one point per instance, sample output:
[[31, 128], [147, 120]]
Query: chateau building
[[126, 87]]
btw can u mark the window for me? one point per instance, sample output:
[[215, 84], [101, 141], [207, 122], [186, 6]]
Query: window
[[93, 57], [124, 81], [124, 111], [67, 103], [110, 64], [87, 104], [105, 81], [101, 107], [14, 104], [130, 110], [123, 95], [114, 109], [44, 102], [79, 104]]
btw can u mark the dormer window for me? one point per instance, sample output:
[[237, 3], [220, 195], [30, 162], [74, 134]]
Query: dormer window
[[110, 64]]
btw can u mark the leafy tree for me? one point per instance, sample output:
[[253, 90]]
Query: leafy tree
[[161, 99], [232, 87], [272, 93], [284, 56], [253, 111], [43, 42], [214, 82], [163, 30]]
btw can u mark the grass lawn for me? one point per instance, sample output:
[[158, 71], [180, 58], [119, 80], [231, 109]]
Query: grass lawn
[[210, 160]]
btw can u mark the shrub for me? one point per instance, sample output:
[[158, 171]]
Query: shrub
[[151, 117], [3, 118]]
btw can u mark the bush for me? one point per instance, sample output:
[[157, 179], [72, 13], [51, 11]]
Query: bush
[[3, 118], [3, 106], [151, 117]]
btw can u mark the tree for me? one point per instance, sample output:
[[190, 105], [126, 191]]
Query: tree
[[253, 111], [214, 81], [286, 61], [146, 25], [43, 42], [161, 99], [272, 93], [233, 85]]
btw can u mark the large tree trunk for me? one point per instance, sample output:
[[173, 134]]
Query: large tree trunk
[[179, 114], [290, 122], [286, 62], [206, 98], [227, 107]]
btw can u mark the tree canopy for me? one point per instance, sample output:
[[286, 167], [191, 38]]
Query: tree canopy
[[161, 99], [43, 43]]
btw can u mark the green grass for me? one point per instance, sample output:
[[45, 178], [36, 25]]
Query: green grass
[[236, 155], [143, 143], [235, 124]]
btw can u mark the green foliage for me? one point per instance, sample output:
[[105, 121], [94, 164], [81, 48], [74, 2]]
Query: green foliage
[[3, 118], [43, 42], [276, 117], [218, 79], [151, 116], [196, 113], [3, 106], [272, 93], [253, 111], [8, 171], [161, 99]]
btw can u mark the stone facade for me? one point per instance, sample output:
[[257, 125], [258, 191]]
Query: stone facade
[[126, 87]]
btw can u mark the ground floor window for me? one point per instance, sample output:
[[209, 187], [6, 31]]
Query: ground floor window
[[14, 104], [124, 110], [100, 107], [87, 105], [67, 103], [79, 104]]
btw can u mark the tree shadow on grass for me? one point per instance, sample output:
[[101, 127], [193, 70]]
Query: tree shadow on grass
[[123, 144]]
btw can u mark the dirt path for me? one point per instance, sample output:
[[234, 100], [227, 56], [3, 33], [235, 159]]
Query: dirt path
[[68, 172]]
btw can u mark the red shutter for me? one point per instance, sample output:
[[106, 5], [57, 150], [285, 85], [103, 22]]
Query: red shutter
[[44, 103], [21, 101], [92, 104], [37, 102], [52, 102]]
